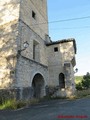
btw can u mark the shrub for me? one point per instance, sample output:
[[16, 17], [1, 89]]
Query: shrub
[[13, 104], [8, 104], [86, 81], [79, 86]]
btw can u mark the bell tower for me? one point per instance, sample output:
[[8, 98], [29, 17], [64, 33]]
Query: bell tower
[[34, 14]]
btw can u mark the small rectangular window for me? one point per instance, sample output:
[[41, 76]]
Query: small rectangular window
[[36, 51], [56, 49], [33, 14]]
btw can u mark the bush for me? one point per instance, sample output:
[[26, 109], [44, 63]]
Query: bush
[[79, 86], [86, 81], [14, 104], [8, 104], [83, 93]]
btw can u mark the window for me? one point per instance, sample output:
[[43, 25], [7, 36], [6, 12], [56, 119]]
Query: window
[[36, 51], [61, 80], [56, 49], [33, 14]]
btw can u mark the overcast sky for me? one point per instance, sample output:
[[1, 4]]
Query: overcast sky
[[76, 14]]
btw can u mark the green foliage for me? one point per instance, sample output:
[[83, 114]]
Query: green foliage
[[8, 104], [82, 93], [86, 81], [79, 86], [78, 79], [14, 104]]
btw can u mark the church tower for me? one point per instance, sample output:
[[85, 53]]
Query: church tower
[[31, 65], [23, 58], [34, 14]]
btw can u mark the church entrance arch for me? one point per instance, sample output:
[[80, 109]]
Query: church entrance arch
[[38, 86], [61, 80]]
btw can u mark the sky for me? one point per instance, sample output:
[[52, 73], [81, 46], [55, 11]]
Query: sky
[[79, 29]]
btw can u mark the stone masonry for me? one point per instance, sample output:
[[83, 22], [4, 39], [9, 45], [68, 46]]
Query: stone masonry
[[44, 67]]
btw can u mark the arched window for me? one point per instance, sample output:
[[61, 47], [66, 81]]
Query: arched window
[[61, 80]]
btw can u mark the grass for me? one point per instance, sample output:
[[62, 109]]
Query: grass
[[82, 93], [13, 104], [78, 79]]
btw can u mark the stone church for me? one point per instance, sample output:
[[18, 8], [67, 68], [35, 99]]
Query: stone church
[[31, 64]]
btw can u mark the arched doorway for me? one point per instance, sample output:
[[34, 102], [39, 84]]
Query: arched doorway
[[61, 80], [38, 86]]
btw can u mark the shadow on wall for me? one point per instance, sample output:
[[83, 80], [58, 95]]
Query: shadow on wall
[[8, 35], [8, 11], [68, 49]]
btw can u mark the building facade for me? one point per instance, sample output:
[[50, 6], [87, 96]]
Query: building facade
[[31, 65]]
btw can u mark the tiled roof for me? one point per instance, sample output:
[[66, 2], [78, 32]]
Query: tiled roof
[[63, 41]]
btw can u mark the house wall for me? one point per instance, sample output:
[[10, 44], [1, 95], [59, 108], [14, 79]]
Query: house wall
[[9, 14], [26, 70], [17, 26], [68, 52], [56, 61], [39, 7], [33, 60], [55, 64], [17, 69], [9, 11], [27, 34]]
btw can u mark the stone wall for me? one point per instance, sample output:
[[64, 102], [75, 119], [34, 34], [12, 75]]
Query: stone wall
[[17, 69], [8, 51], [57, 61], [9, 11], [7, 94], [9, 14], [27, 34], [39, 8], [26, 69], [55, 64], [68, 51]]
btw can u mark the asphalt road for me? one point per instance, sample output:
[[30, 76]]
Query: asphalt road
[[51, 110]]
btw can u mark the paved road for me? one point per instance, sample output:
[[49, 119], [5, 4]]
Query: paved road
[[50, 110]]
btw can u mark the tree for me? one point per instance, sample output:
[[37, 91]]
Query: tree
[[86, 81], [79, 86]]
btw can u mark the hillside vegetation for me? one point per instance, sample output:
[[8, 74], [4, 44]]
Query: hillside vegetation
[[78, 79]]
